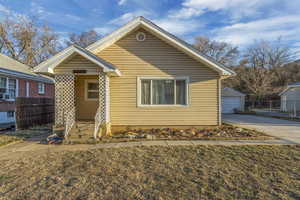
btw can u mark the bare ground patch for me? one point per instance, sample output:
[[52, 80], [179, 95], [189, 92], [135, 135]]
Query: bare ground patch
[[216, 172]]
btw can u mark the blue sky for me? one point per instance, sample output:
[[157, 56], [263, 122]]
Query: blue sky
[[239, 22]]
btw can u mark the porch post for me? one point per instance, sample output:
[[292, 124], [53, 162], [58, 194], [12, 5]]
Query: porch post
[[64, 97], [104, 99]]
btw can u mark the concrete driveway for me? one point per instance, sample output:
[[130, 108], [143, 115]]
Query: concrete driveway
[[284, 129]]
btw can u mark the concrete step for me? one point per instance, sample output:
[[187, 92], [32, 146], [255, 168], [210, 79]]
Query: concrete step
[[84, 132], [84, 124], [80, 141]]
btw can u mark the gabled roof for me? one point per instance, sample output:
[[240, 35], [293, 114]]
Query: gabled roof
[[231, 92], [171, 39], [292, 85], [49, 65], [9, 66]]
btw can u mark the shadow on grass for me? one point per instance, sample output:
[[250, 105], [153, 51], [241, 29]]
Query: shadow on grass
[[35, 134]]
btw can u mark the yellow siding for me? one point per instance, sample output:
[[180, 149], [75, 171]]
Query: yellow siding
[[77, 62], [155, 57]]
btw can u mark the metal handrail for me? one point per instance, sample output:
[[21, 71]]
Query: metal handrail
[[98, 122], [70, 121]]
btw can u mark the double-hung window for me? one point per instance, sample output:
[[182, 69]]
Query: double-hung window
[[163, 91], [12, 86], [92, 90], [3, 85], [8, 88], [41, 88]]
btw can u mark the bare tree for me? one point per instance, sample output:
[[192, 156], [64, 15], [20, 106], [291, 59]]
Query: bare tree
[[260, 72], [222, 52], [83, 39], [27, 42]]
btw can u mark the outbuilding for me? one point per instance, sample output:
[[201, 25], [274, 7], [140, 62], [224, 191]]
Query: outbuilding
[[232, 100], [290, 98]]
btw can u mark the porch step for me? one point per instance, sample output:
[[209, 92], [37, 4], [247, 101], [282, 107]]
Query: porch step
[[82, 130]]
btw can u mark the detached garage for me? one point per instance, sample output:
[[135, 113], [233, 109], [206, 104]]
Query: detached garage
[[231, 100]]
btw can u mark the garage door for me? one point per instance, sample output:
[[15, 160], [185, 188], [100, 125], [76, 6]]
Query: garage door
[[230, 103]]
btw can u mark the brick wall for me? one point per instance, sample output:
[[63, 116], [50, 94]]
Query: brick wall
[[33, 89], [33, 92]]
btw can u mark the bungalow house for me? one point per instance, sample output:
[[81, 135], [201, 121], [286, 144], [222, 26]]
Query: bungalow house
[[138, 76], [290, 98], [18, 80]]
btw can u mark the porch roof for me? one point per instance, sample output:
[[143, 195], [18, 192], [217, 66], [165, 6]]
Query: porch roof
[[49, 65]]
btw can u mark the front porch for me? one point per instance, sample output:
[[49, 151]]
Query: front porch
[[81, 91], [82, 100]]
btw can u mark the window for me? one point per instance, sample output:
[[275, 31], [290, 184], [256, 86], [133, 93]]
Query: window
[[12, 86], [41, 88], [8, 88], [163, 91], [3, 85], [10, 114], [92, 90]]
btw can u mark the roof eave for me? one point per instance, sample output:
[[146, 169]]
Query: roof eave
[[49, 66]]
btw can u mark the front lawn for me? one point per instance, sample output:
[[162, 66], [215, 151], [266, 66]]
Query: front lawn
[[191, 172]]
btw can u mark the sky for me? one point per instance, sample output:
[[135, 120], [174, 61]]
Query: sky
[[239, 22]]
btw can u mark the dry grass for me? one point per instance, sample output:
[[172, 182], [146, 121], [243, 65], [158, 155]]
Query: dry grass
[[4, 139], [214, 172]]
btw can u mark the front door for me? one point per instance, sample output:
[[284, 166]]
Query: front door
[[87, 96]]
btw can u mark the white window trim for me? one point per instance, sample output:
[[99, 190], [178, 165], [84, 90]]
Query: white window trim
[[7, 87], [186, 78], [43, 90], [86, 89], [27, 88]]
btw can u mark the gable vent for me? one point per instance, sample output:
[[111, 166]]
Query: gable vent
[[140, 36]]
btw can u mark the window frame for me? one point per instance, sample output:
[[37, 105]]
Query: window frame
[[139, 91], [7, 87], [86, 90], [43, 88]]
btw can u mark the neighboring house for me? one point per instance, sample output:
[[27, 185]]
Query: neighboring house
[[138, 76], [18, 80], [290, 98], [232, 100]]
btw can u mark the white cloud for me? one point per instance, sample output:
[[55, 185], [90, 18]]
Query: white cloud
[[104, 30], [287, 27], [178, 27], [236, 8], [122, 2], [4, 9], [185, 13], [123, 19]]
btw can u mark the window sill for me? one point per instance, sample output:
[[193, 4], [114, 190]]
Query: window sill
[[163, 106]]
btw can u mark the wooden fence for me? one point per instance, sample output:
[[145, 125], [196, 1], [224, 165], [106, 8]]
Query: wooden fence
[[32, 111]]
